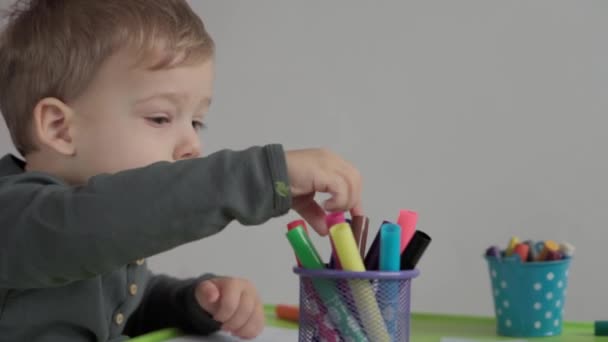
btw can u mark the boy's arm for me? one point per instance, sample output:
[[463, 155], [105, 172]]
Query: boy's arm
[[170, 302], [52, 234]]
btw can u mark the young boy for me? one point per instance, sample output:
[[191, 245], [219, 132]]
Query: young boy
[[104, 100]]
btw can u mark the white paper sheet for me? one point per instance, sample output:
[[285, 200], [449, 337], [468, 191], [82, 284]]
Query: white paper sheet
[[458, 339], [270, 334]]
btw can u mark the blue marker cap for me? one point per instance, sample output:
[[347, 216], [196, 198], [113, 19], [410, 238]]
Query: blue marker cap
[[390, 247]]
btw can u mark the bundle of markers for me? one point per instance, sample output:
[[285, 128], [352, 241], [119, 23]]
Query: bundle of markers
[[396, 247], [530, 251], [393, 241]]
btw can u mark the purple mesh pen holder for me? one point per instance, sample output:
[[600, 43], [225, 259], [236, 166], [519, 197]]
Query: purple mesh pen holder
[[348, 306]]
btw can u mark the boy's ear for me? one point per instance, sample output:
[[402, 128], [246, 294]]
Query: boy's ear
[[52, 122]]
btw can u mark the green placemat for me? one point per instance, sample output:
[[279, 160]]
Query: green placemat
[[432, 327], [426, 327], [157, 336], [273, 321]]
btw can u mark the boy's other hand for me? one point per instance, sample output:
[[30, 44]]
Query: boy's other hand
[[234, 303], [319, 170]]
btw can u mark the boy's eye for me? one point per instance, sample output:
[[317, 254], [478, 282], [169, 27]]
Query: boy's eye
[[159, 120], [198, 125]]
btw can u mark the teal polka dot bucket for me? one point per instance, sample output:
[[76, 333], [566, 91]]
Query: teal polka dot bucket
[[529, 297]]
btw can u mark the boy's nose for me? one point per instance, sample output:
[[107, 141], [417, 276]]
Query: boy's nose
[[189, 147]]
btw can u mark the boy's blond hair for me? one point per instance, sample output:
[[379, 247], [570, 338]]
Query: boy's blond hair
[[53, 48]]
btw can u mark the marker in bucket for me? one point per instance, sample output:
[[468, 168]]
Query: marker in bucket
[[531, 254], [372, 259], [360, 226], [553, 255], [566, 249], [512, 243], [297, 223], [548, 246], [390, 244], [310, 259], [493, 251], [522, 250], [363, 294], [407, 220], [414, 250]]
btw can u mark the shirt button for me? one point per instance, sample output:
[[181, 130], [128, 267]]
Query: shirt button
[[119, 318], [140, 261], [133, 289]]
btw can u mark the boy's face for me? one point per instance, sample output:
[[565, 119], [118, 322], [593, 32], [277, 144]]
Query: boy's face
[[130, 117]]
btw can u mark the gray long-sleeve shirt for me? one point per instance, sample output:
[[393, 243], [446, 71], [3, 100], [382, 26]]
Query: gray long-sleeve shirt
[[72, 262]]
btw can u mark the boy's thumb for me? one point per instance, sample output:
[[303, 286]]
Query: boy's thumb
[[207, 295]]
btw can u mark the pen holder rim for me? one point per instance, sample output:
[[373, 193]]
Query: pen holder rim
[[514, 259], [371, 275]]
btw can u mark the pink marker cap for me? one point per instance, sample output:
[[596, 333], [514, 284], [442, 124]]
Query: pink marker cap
[[407, 220], [332, 219]]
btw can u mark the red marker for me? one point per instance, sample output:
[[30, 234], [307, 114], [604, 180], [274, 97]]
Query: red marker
[[407, 220], [522, 250]]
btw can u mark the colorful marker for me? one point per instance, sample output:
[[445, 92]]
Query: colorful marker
[[360, 226], [512, 243], [341, 317], [390, 243], [531, 253], [493, 251], [287, 312], [283, 311], [538, 248], [372, 259], [567, 249], [365, 300], [390, 260], [548, 246], [407, 220], [553, 255], [414, 250], [297, 223], [522, 250]]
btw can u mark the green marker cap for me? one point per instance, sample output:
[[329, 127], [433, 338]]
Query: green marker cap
[[601, 328]]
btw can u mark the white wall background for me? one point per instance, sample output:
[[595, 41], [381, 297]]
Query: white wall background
[[487, 117]]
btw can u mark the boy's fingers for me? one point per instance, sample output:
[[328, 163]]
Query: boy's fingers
[[207, 294], [357, 189], [229, 301], [243, 313], [310, 211], [340, 197], [255, 324], [352, 178]]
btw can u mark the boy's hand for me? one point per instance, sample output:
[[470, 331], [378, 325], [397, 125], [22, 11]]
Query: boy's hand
[[318, 170], [234, 303]]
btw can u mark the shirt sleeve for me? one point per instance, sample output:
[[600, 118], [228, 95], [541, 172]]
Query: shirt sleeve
[[53, 234], [170, 302]]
